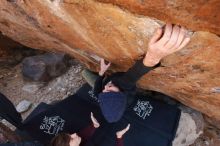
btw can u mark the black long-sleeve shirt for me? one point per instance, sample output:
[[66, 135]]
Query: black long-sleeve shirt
[[126, 81], [88, 132]]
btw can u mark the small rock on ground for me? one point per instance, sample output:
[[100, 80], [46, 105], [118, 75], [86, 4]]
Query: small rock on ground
[[23, 106]]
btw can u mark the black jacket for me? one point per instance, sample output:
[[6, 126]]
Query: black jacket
[[68, 116], [153, 123]]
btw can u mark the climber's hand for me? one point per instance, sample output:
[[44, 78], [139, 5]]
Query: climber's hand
[[161, 45], [120, 133], [103, 67], [94, 121]]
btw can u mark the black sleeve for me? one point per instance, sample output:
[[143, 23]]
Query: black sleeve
[[98, 85], [128, 80]]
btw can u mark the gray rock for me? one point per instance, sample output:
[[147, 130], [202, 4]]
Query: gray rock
[[190, 127], [23, 106], [32, 87], [44, 67]]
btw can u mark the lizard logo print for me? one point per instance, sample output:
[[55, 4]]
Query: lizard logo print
[[143, 109], [52, 125]]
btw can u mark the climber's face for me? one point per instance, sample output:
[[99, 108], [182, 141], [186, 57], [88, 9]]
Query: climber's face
[[110, 87], [75, 140]]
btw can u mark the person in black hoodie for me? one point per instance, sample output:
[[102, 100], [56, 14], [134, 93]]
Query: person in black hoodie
[[117, 91]]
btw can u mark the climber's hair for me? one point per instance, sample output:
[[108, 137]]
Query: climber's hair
[[61, 139]]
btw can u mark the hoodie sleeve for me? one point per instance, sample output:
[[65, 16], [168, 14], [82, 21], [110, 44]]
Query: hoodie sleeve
[[127, 81], [98, 85]]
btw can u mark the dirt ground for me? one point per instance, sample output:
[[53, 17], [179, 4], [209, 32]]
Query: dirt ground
[[12, 85]]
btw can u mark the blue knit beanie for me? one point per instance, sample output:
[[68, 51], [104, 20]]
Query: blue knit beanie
[[112, 105]]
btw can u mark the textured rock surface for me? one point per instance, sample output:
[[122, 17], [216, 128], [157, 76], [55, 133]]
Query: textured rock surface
[[32, 87], [7, 47], [121, 36], [11, 52], [195, 14], [190, 127]]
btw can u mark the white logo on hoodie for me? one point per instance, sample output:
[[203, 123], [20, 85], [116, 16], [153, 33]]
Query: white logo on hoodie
[[143, 108], [52, 125]]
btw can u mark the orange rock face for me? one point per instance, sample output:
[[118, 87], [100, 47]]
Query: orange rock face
[[194, 14], [90, 29]]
